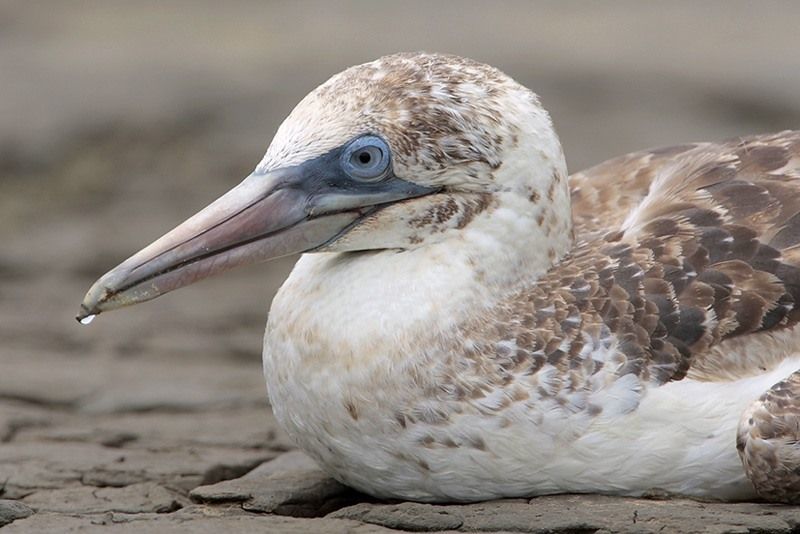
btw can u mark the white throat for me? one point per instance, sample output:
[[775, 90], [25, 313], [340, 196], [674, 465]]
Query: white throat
[[349, 305]]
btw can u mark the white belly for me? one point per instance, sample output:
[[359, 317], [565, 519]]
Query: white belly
[[680, 439]]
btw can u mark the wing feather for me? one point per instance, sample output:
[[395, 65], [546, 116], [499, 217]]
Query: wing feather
[[696, 244]]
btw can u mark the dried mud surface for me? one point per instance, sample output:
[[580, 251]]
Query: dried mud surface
[[121, 119]]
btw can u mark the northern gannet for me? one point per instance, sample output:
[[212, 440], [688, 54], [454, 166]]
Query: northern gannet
[[468, 323]]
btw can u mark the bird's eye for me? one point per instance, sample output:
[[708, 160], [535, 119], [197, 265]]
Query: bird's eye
[[367, 158]]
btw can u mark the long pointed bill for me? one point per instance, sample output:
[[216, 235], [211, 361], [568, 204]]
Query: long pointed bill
[[257, 220], [285, 211]]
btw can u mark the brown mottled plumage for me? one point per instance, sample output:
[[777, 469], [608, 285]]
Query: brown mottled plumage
[[705, 242]]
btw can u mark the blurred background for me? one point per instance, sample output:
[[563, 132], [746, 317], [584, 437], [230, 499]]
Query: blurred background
[[118, 119]]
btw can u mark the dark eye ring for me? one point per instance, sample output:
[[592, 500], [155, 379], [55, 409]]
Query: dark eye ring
[[367, 158]]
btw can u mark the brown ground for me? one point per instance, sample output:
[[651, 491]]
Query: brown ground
[[120, 119]]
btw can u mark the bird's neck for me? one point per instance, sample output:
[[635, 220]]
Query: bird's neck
[[513, 242], [529, 227], [348, 306]]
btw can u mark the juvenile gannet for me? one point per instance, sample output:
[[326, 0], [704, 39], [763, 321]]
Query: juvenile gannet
[[468, 323]]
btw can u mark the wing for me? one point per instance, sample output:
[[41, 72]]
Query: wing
[[677, 251]]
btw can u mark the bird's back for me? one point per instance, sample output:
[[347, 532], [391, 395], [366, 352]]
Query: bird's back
[[688, 250]]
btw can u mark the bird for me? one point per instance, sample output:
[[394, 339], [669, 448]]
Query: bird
[[469, 322]]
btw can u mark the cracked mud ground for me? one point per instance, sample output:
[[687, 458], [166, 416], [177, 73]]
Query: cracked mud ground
[[119, 120]]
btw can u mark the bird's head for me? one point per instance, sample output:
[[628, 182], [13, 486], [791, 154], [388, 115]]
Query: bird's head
[[398, 153]]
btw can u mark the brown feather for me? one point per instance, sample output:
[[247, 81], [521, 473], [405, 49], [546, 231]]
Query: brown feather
[[709, 236], [768, 441]]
